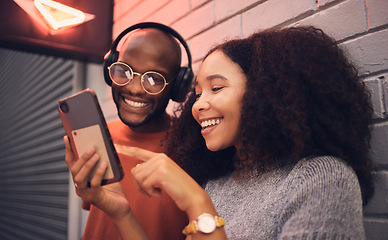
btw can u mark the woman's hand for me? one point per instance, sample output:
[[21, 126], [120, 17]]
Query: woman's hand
[[158, 172], [109, 198]]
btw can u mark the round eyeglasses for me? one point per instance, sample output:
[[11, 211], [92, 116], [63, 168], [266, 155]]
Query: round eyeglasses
[[122, 74]]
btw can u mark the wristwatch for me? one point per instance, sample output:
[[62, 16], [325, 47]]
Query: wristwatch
[[205, 223]]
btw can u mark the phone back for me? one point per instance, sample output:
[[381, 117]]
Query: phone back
[[85, 126]]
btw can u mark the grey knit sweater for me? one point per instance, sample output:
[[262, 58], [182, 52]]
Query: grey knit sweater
[[318, 198]]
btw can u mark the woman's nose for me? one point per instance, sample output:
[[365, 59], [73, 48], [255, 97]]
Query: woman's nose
[[201, 104]]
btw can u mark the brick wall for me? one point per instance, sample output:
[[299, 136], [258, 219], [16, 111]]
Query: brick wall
[[361, 26]]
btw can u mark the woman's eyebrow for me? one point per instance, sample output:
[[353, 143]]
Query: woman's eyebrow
[[213, 76]]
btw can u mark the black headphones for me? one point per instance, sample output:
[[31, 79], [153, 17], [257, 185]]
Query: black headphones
[[181, 83]]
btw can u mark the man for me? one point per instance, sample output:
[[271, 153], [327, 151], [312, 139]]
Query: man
[[151, 57]]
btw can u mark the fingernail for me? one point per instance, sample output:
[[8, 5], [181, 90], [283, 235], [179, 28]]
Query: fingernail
[[103, 165], [91, 150], [94, 157]]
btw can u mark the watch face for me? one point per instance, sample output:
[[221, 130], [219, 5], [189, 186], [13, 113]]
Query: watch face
[[206, 223]]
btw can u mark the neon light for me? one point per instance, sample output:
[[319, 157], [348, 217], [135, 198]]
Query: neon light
[[58, 15]]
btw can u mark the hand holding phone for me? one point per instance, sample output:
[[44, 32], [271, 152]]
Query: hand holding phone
[[85, 126]]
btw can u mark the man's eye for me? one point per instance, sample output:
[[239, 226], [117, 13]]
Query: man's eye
[[124, 73]]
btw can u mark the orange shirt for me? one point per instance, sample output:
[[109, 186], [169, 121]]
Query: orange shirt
[[159, 217]]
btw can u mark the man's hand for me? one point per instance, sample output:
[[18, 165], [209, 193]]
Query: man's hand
[[109, 198]]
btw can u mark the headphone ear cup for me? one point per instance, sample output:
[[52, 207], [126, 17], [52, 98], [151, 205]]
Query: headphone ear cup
[[110, 57], [182, 84]]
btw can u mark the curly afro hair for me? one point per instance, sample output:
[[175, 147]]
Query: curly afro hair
[[303, 98]]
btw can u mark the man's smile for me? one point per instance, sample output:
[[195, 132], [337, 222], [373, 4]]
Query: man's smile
[[135, 104]]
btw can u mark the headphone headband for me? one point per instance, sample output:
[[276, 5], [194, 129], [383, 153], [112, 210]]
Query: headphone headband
[[157, 26]]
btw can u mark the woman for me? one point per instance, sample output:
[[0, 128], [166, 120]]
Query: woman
[[277, 133]]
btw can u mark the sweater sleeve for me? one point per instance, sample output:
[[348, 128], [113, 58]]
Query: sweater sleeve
[[324, 202]]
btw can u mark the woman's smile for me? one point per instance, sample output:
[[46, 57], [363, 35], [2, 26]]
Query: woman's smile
[[210, 122], [209, 125]]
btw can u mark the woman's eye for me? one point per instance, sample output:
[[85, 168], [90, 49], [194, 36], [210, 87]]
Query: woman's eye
[[216, 89], [197, 96]]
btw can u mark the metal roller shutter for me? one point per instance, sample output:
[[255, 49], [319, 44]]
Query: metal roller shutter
[[33, 174]]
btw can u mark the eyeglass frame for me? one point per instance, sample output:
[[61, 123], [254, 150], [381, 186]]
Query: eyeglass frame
[[133, 73]]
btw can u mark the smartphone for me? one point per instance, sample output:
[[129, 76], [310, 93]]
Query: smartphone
[[85, 126]]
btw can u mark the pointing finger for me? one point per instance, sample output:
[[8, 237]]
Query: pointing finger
[[138, 153]]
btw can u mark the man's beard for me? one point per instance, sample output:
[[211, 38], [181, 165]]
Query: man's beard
[[134, 125]]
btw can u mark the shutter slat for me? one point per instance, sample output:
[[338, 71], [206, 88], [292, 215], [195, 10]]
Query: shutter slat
[[34, 187]]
